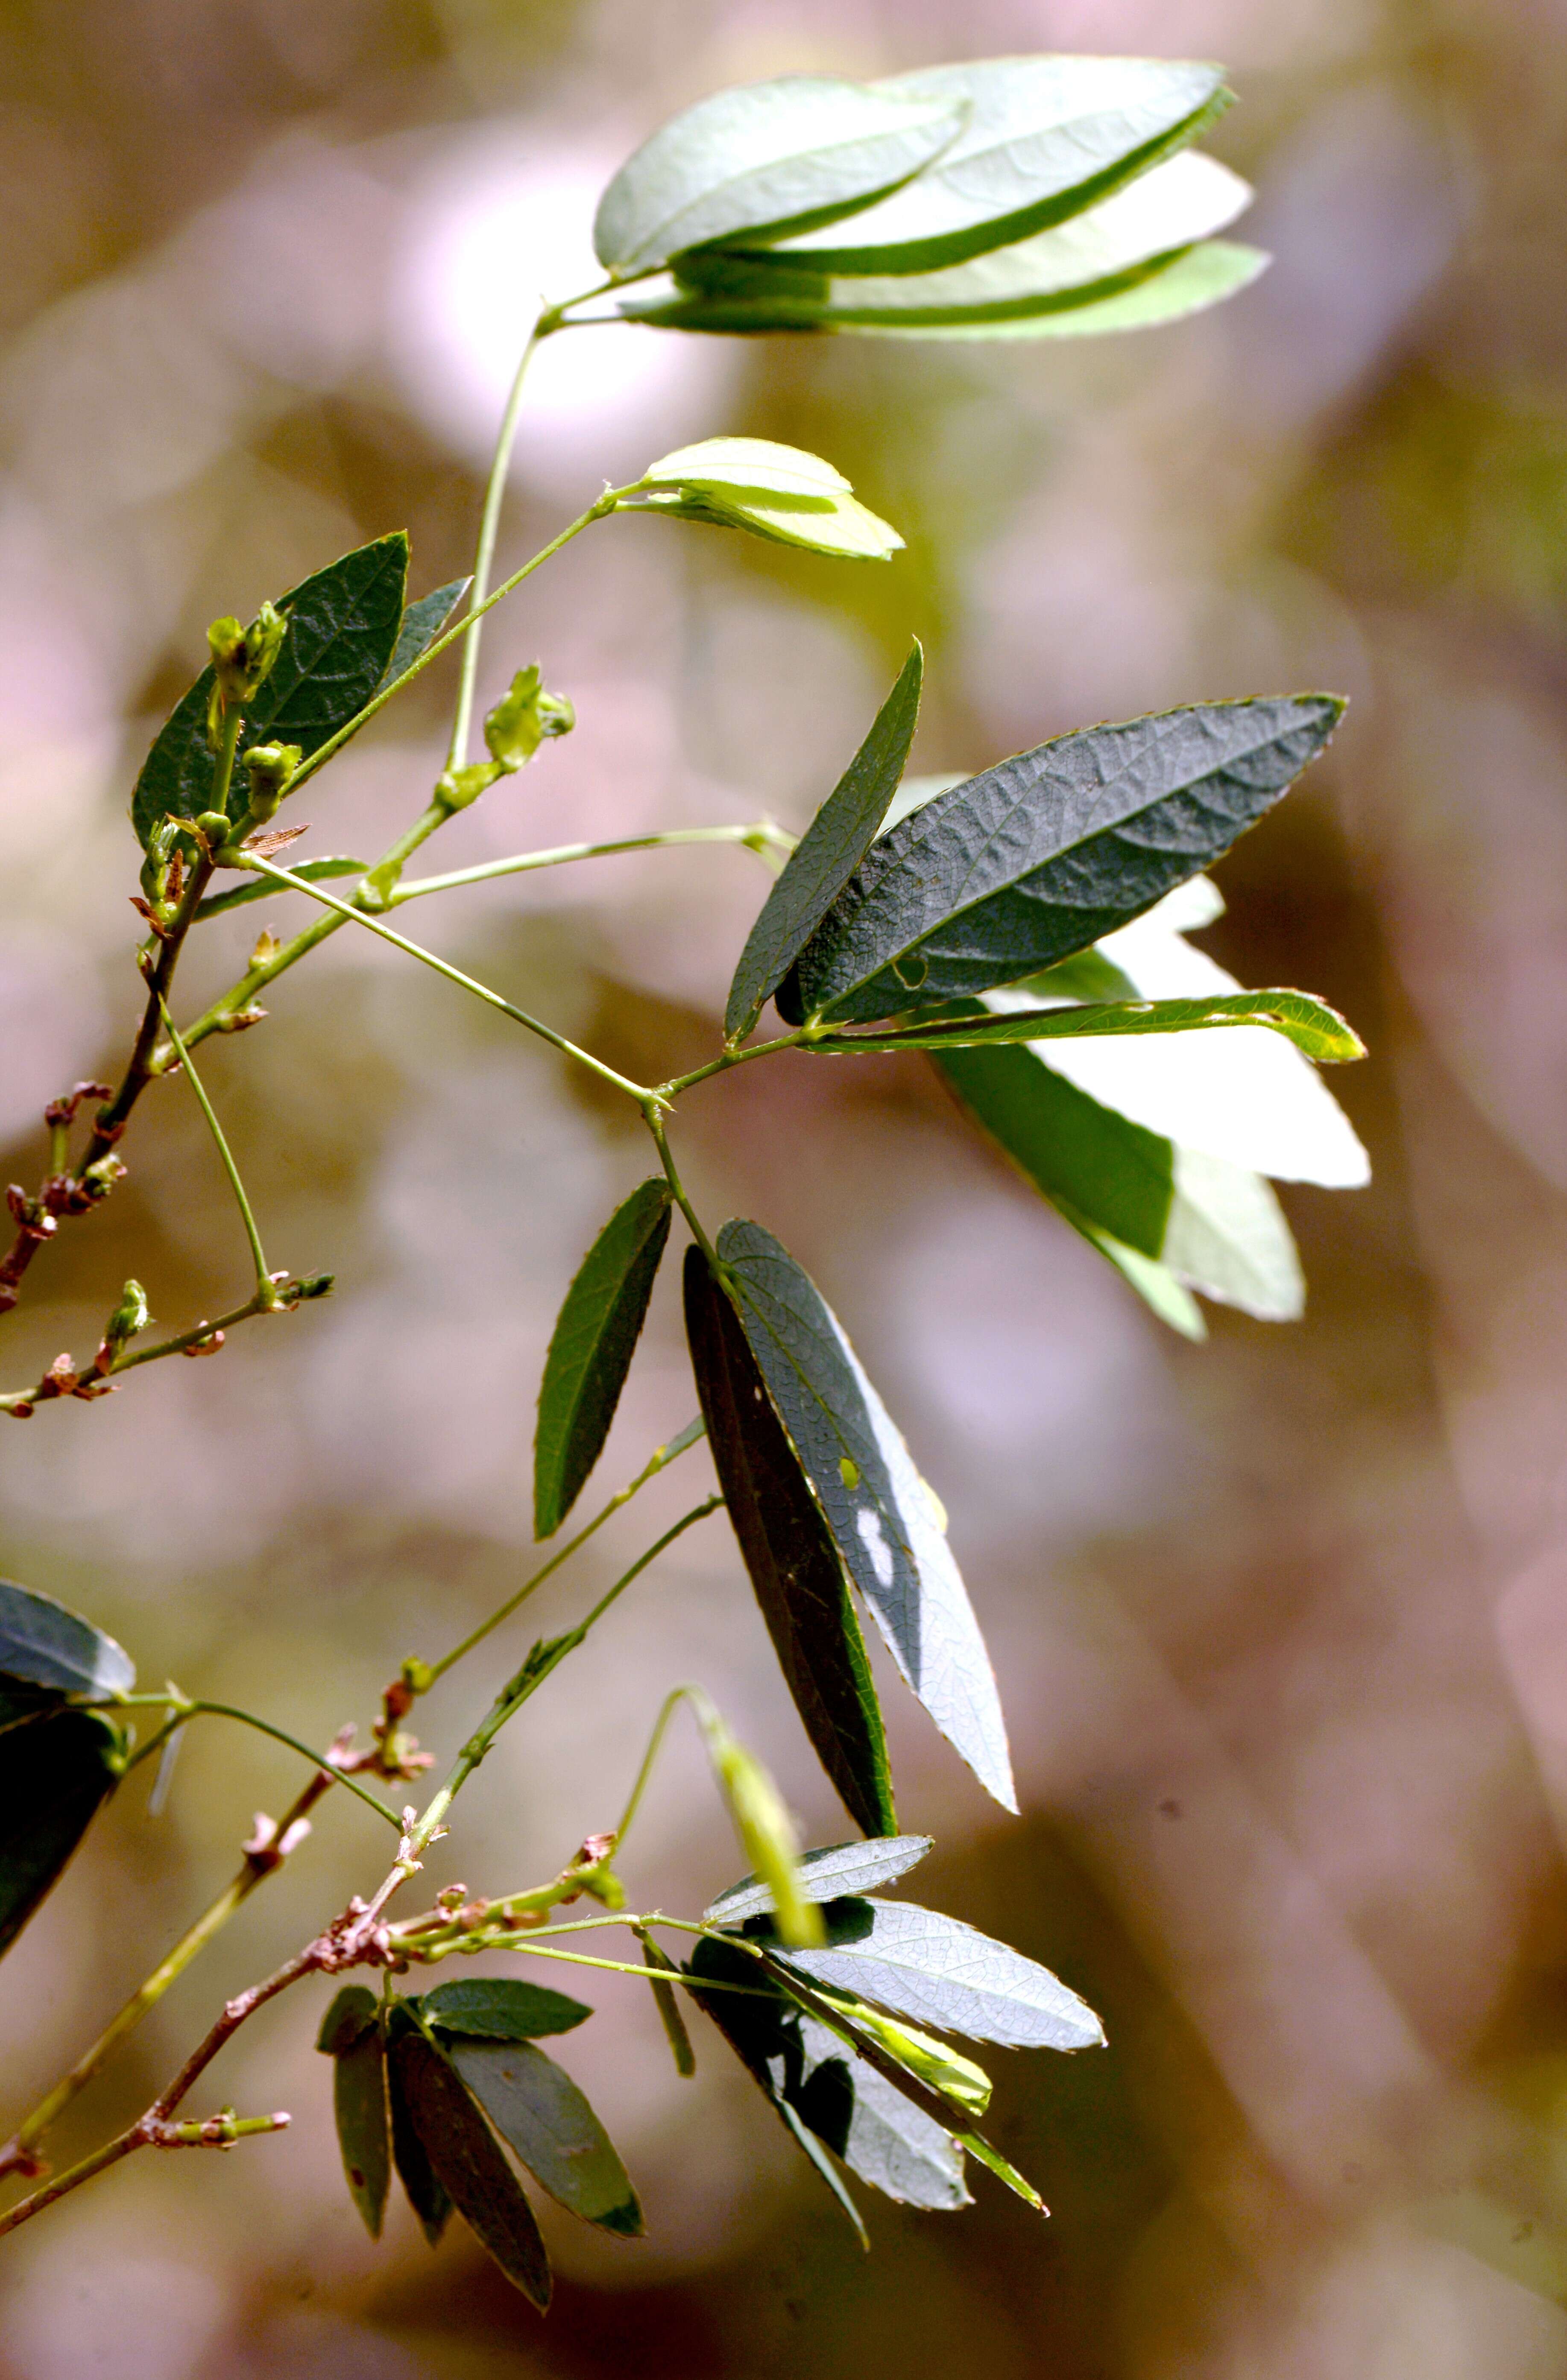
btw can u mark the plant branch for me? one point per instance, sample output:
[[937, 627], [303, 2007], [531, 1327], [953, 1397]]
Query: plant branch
[[484, 555], [267, 1297], [761, 836]]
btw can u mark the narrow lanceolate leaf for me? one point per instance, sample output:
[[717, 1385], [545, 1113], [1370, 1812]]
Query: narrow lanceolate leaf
[[590, 1352], [543, 2118], [771, 155], [916, 1963], [820, 2088], [979, 2147], [825, 1875], [468, 2164], [343, 626], [351, 2036], [421, 624], [794, 1564], [56, 1771], [1310, 1023], [883, 1519], [44, 1644], [1041, 856], [492, 2007], [827, 854], [1045, 138]]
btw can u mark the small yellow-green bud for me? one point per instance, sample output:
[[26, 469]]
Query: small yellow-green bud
[[242, 658], [524, 718], [131, 1314], [767, 1832], [269, 767]]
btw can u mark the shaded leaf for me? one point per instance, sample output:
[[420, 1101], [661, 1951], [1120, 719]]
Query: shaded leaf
[[667, 2002], [791, 151], [543, 2118], [827, 854], [425, 2191], [56, 1772], [421, 624], [358, 2101], [43, 1644], [261, 888], [790, 1555], [342, 625], [881, 1515], [463, 2156], [353, 2011], [935, 1970], [1041, 856], [499, 2007], [590, 1350], [825, 1875], [1044, 139]]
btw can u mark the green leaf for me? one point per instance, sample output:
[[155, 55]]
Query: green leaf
[[590, 1350], [1309, 1023], [543, 2118], [790, 1555], [421, 624], [1045, 138], [827, 854], [469, 2164], [979, 2147], [954, 2079], [42, 1644], [1041, 856], [351, 2036], [825, 1875], [343, 626], [261, 888], [771, 155], [423, 2186], [1187, 283], [57, 1770], [497, 2008], [883, 1517], [1154, 1283], [758, 464], [825, 2092], [916, 1963], [837, 526], [1227, 1236]]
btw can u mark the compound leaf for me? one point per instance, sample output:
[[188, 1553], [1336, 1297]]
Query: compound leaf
[[792, 1559], [343, 626], [1037, 857], [772, 154], [591, 1350], [499, 2007], [57, 1770], [44, 1644], [937, 1972], [827, 854], [883, 1519], [825, 1875], [471, 2170], [545, 2121]]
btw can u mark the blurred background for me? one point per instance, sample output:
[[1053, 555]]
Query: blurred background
[[1280, 1621]]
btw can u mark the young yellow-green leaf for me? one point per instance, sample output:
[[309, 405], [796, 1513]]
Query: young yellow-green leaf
[[979, 2147], [58, 1767], [881, 1516], [469, 2164], [765, 1828], [1190, 282], [827, 854], [954, 2078], [1045, 138], [421, 624], [545, 2121], [351, 2036], [916, 1963], [837, 526], [794, 1564], [1042, 854], [1309, 1023], [342, 625], [825, 1875], [44, 1644], [591, 1350], [499, 2007], [800, 149], [760, 465]]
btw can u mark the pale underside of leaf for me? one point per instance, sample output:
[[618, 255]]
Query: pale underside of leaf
[[44, 1645], [756, 463], [825, 1875], [1188, 283]]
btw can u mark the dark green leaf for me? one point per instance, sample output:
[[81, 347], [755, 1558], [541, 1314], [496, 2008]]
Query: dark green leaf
[[353, 2011], [819, 2085], [1046, 138], [827, 854], [261, 888], [794, 1565], [44, 1644], [500, 2009], [56, 1771], [916, 1963], [666, 2000], [1042, 854], [778, 154], [1309, 1023], [825, 1875], [542, 2115], [342, 625], [886, 1525], [471, 2168], [426, 2192], [359, 2100], [421, 624], [595, 1338]]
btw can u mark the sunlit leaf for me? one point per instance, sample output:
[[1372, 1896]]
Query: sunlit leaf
[[760, 465], [1315, 1027], [468, 2164], [837, 526], [591, 1350], [1190, 282], [543, 2118], [979, 2147], [825, 1875], [44, 1644]]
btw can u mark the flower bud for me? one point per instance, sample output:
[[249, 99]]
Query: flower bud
[[242, 658], [131, 1314], [269, 767], [524, 718]]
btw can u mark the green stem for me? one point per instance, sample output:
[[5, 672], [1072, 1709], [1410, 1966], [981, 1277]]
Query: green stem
[[653, 1118], [72, 2178], [489, 528], [751, 837], [454, 975], [247, 1718], [672, 1091], [671, 1704], [266, 1293]]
